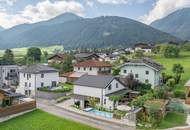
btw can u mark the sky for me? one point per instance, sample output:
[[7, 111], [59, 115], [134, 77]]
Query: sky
[[15, 12]]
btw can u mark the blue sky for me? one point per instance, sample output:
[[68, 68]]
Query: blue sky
[[14, 12]]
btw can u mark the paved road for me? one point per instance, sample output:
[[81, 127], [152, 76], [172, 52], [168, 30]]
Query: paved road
[[48, 107]]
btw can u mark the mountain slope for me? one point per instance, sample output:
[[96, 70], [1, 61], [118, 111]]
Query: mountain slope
[[177, 24], [95, 32]]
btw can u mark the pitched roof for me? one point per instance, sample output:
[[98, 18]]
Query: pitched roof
[[61, 56], [85, 55], [94, 81], [37, 68], [146, 61], [92, 63], [187, 84]]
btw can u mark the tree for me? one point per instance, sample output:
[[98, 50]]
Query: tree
[[139, 54], [34, 54], [116, 71], [45, 53], [178, 70], [115, 99], [67, 64], [131, 81], [93, 101], [171, 51], [8, 57]]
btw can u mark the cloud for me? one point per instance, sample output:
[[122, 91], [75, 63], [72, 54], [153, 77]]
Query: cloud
[[121, 1], [163, 8], [41, 11], [89, 3], [8, 2]]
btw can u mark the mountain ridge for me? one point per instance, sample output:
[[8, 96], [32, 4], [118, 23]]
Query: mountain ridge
[[73, 31]]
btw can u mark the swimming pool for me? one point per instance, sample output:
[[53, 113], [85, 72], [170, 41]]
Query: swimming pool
[[101, 113]]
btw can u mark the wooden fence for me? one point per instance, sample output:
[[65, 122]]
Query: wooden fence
[[15, 109]]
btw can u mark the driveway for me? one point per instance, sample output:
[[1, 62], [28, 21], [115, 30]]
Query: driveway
[[50, 108]]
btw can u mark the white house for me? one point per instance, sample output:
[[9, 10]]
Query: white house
[[9, 75], [93, 67], [144, 70], [100, 87], [35, 76], [144, 47]]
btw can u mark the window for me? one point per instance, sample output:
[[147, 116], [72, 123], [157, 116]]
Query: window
[[104, 101], [117, 85], [26, 92], [25, 84], [42, 84], [24, 75], [42, 75], [147, 81], [84, 68], [136, 75], [29, 84], [90, 68], [29, 92], [124, 71], [109, 88], [78, 68], [147, 72], [12, 70], [53, 83]]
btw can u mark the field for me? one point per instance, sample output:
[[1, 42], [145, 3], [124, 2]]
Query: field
[[39, 120], [184, 60], [19, 52]]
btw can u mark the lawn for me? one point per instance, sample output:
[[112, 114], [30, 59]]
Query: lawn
[[172, 120], [168, 63], [39, 120], [20, 52]]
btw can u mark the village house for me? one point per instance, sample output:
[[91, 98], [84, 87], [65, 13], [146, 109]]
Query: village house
[[9, 75], [57, 58], [144, 47], [87, 56], [145, 70], [93, 67], [33, 77], [99, 87]]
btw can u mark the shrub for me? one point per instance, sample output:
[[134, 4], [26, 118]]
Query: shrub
[[171, 83], [118, 114], [179, 94]]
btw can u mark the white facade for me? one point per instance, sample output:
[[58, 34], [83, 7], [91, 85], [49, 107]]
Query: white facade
[[142, 72], [143, 49], [29, 82], [91, 70], [100, 93]]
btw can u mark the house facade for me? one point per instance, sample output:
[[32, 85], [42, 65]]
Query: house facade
[[144, 47], [145, 70], [9, 75], [36, 76], [93, 67], [99, 87], [57, 58]]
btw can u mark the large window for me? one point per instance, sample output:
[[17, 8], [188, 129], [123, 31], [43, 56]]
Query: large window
[[42, 84], [136, 75], [124, 71], [147, 72], [25, 84]]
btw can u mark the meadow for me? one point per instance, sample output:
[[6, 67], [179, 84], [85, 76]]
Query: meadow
[[40, 120], [183, 59]]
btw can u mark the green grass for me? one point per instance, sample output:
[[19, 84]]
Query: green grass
[[39, 120], [172, 120], [168, 63], [20, 52]]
